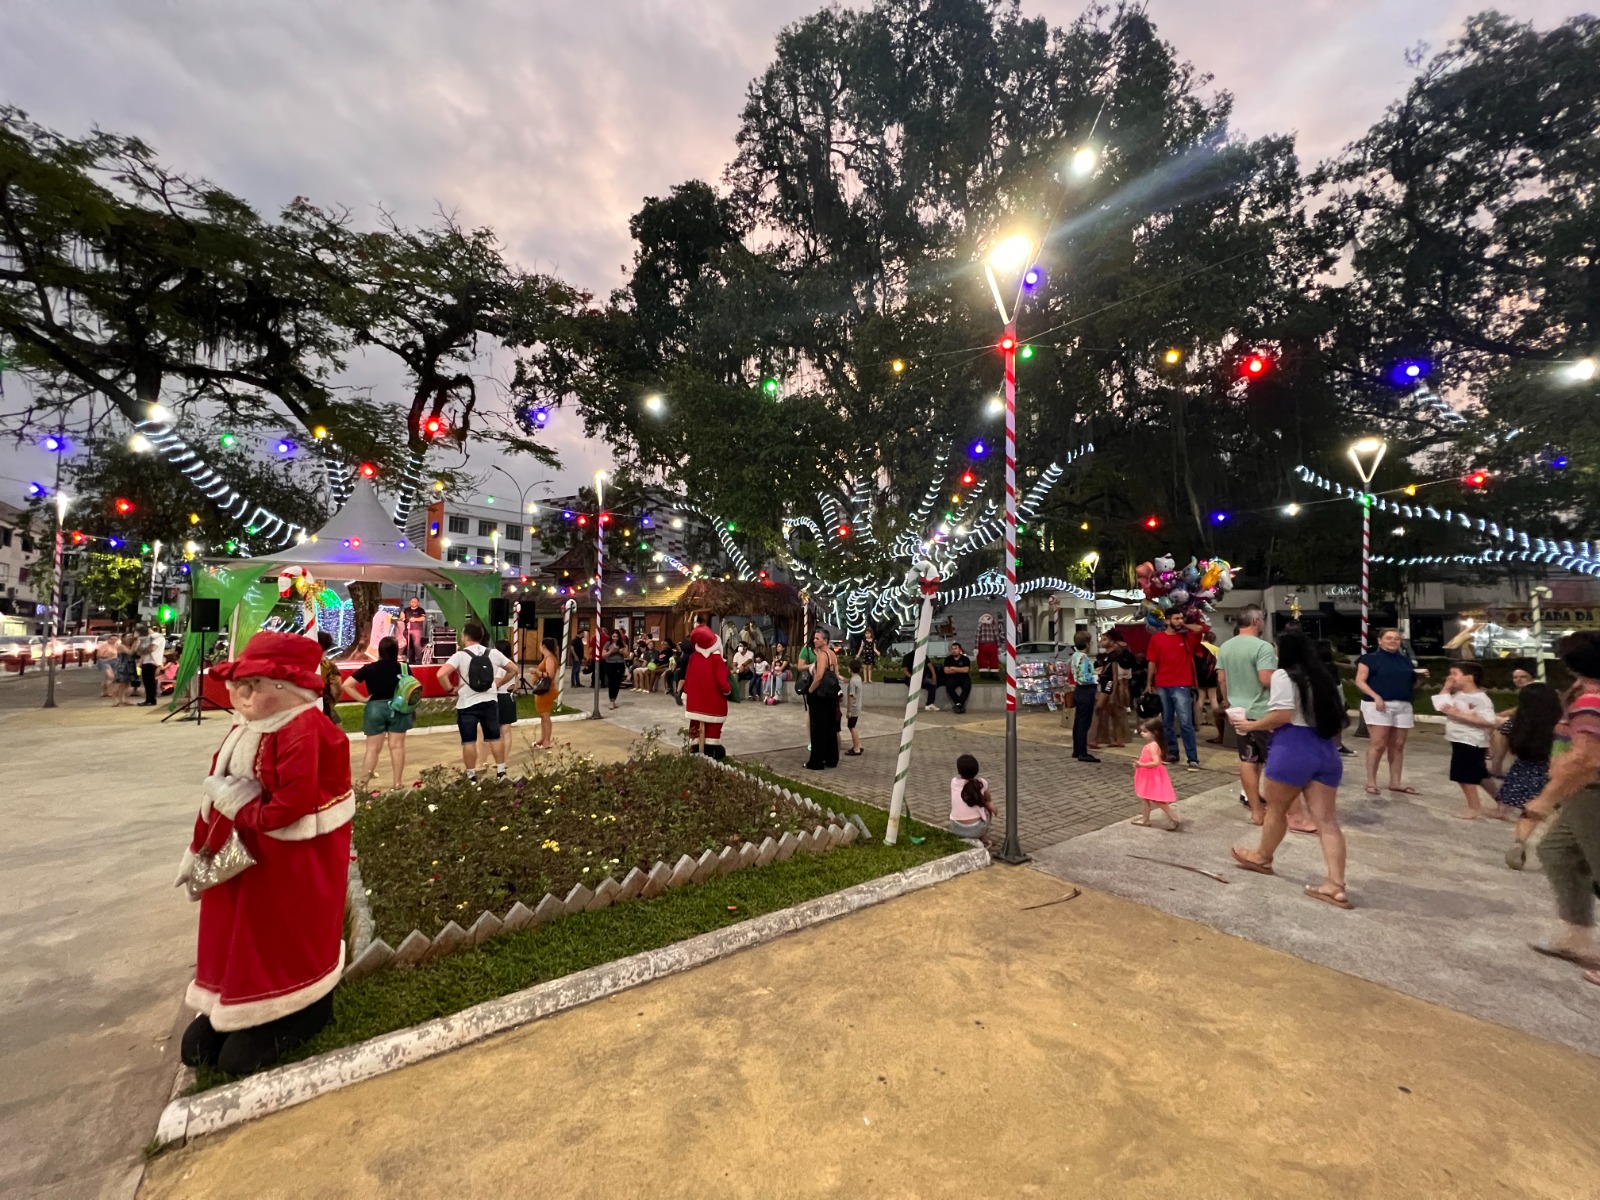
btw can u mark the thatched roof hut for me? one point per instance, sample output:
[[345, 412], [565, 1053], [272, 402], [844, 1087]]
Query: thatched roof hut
[[740, 598]]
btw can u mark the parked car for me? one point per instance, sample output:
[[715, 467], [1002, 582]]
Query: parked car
[[18, 653]]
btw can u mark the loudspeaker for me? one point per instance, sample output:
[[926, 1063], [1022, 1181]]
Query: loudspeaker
[[499, 611], [205, 615]]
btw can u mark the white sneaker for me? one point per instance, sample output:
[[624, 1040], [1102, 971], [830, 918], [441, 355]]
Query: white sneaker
[[931, 708]]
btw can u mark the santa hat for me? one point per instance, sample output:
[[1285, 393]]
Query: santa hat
[[287, 656], [702, 638]]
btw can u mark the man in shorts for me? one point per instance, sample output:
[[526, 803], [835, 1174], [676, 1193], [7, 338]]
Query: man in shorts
[[1387, 680], [1244, 675], [478, 708]]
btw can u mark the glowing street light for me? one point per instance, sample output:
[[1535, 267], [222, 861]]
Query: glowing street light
[[654, 404], [1366, 455], [1584, 370], [139, 444], [1012, 257], [1084, 161]]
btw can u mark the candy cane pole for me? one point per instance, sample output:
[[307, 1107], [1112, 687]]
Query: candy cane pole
[[1011, 851], [929, 582], [599, 589], [570, 615]]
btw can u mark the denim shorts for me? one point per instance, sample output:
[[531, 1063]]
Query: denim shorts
[[974, 831], [1298, 757], [486, 715], [379, 718]]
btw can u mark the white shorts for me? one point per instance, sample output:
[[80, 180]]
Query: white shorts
[[1397, 714]]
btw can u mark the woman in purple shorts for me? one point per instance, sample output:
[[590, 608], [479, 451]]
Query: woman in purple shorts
[[1305, 712]]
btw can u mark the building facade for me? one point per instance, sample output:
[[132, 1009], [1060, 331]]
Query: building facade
[[21, 610]]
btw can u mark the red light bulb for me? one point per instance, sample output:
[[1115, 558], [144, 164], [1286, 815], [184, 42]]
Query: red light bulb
[[368, 470], [1008, 343], [1152, 523]]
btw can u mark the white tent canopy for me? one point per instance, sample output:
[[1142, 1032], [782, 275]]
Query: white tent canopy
[[360, 542]]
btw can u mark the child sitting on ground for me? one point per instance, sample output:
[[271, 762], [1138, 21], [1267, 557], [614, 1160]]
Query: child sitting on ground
[[852, 706], [1532, 737], [971, 806], [1469, 719], [1151, 783]]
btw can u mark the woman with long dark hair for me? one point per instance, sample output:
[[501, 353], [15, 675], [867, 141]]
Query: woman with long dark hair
[[822, 708], [1305, 711], [614, 665], [1530, 737], [544, 703]]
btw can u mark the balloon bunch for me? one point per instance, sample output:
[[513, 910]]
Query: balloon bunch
[[1190, 590]]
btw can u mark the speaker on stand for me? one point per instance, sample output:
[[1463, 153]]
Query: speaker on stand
[[205, 618]]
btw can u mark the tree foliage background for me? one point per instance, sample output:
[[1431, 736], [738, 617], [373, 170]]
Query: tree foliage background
[[877, 158]]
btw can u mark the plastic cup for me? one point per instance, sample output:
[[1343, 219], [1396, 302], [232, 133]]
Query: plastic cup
[[1235, 715]]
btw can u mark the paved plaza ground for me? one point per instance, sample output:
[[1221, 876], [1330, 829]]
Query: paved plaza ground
[[1162, 1032], [952, 1044]]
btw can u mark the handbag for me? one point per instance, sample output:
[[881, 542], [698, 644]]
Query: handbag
[[1149, 705], [209, 870], [542, 687]]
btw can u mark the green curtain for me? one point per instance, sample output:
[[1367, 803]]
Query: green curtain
[[227, 587], [478, 587], [451, 603], [255, 606]]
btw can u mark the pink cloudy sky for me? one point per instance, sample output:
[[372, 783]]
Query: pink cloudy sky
[[550, 120]]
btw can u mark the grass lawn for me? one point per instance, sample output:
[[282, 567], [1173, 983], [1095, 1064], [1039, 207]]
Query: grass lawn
[[440, 710], [395, 998]]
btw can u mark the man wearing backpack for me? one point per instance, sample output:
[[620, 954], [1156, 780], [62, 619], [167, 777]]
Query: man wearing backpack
[[476, 671]]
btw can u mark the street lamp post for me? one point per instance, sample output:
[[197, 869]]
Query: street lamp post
[[1014, 256], [599, 588], [55, 596], [1366, 455]]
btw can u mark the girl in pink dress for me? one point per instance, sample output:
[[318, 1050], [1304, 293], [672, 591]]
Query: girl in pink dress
[[1151, 783]]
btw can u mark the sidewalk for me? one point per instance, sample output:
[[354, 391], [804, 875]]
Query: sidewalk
[[953, 1044], [1438, 914], [98, 804]]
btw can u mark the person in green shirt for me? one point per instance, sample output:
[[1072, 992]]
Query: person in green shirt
[[1245, 663]]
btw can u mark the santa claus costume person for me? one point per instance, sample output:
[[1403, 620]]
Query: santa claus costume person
[[988, 644], [271, 944], [705, 691]]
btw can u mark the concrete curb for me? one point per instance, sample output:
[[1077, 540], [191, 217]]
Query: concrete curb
[[284, 1087]]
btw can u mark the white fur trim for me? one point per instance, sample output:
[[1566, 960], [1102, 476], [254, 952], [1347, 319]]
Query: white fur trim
[[225, 1018], [229, 795], [237, 757], [340, 812], [707, 718]]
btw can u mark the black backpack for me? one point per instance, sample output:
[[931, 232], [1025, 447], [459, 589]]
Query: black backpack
[[480, 672]]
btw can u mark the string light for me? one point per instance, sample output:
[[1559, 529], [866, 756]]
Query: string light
[[1549, 548]]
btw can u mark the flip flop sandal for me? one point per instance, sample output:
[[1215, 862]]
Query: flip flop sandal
[[1326, 898], [1247, 865], [1571, 956], [1408, 790], [1374, 792]]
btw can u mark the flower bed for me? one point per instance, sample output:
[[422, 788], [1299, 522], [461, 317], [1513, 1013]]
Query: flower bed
[[448, 849]]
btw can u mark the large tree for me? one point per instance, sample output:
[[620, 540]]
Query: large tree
[[1471, 212]]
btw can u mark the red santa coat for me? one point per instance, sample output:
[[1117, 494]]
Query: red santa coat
[[705, 685], [272, 937]]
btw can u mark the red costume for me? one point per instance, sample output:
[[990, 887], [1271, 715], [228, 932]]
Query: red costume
[[988, 643], [705, 690], [272, 937]]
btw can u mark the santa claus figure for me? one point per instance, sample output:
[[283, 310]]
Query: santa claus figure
[[988, 643], [705, 691], [268, 863]]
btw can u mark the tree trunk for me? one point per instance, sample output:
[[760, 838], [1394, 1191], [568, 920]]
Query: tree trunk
[[364, 597]]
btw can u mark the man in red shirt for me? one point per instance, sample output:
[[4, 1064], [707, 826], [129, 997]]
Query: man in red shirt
[[1171, 655]]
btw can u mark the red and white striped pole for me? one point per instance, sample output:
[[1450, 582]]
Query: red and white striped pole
[[1011, 851], [599, 588], [1366, 564]]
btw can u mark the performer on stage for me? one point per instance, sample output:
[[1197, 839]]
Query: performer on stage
[[268, 863], [416, 631], [988, 643], [705, 690]]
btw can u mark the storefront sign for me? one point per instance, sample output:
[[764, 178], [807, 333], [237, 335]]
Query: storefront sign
[[1564, 618]]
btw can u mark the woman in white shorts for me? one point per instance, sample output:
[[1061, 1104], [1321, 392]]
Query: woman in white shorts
[[1387, 680]]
